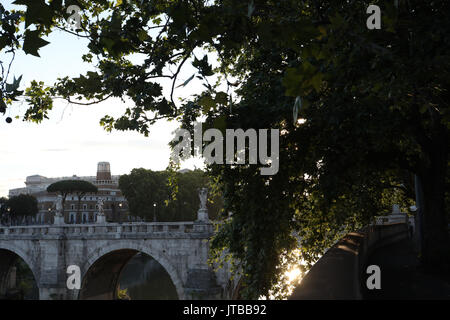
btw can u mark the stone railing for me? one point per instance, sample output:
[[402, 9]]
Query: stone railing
[[337, 274], [115, 230], [392, 219]]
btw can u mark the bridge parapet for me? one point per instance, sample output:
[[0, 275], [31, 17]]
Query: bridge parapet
[[110, 230]]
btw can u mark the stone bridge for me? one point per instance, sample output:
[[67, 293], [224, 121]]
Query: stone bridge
[[102, 250]]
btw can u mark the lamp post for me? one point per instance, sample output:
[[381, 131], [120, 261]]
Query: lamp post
[[120, 216], [43, 218], [9, 215], [154, 212]]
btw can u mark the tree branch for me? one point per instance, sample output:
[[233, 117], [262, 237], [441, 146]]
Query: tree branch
[[85, 103]]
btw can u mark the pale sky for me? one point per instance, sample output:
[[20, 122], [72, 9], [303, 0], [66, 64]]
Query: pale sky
[[72, 141]]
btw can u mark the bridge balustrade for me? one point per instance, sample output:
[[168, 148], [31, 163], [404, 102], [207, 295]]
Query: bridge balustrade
[[107, 228]]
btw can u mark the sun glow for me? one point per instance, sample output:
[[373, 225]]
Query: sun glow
[[301, 121], [294, 275], [290, 278]]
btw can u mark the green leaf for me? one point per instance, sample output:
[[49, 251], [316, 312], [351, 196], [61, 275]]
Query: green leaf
[[38, 12], [220, 123], [14, 86], [337, 21], [221, 98], [316, 81], [203, 66], [33, 43], [292, 82], [157, 21], [207, 103], [2, 106], [142, 35]]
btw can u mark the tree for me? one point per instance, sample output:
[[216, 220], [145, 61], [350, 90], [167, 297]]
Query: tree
[[3, 205], [3, 209], [374, 114], [184, 202], [374, 105], [21, 206], [78, 187], [143, 188]]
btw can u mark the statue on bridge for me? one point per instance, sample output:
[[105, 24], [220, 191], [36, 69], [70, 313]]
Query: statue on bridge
[[202, 214], [101, 211], [203, 195], [100, 205], [58, 205]]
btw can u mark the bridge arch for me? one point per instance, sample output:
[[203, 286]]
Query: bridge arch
[[17, 251], [127, 251]]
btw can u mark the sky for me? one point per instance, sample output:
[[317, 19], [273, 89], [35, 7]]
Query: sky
[[72, 142]]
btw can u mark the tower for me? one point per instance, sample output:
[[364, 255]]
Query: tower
[[103, 171]]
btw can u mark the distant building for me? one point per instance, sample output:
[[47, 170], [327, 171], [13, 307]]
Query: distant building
[[115, 205]]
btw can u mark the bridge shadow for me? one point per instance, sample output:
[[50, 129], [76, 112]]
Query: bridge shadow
[[127, 274], [146, 279], [17, 281]]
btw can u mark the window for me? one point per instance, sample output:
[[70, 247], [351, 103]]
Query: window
[[72, 207], [85, 206]]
